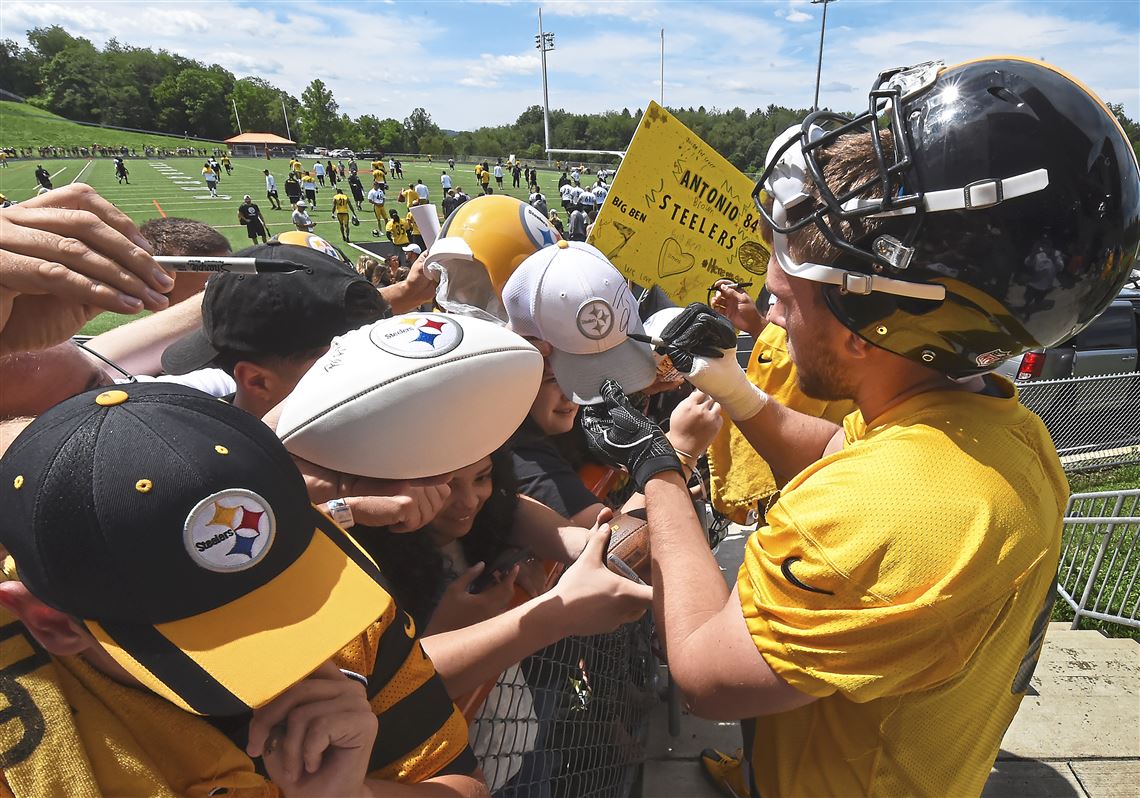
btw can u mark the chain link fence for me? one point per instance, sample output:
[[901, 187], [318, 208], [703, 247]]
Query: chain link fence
[[570, 721], [1094, 421], [1100, 557]]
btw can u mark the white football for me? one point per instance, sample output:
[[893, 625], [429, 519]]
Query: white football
[[413, 396]]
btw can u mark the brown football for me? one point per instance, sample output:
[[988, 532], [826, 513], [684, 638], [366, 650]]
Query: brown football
[[628, 554]]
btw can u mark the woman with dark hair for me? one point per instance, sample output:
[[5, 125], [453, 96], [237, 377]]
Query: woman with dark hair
[[434, 571], [472, 528]]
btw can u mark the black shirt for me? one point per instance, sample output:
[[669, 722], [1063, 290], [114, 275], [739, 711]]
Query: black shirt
[[544, 473]]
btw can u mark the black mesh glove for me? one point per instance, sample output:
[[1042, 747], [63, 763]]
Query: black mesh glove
[[622, 436], [697, 330]]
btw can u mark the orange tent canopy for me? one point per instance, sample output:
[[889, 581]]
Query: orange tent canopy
[[259, 138]]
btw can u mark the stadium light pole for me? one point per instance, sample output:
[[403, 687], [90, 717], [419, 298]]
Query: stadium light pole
[[288, 134], [819, 64], [544, 42], [237, 116]]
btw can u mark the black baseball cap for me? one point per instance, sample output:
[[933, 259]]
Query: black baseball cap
[[177, 529], [247, 315]]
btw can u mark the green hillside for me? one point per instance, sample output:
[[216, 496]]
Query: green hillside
[[23, 125]]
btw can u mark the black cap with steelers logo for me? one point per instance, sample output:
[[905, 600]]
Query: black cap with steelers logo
[[178, 529]]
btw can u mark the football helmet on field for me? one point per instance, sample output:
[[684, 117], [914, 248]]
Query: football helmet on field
[[1006, 210], [479, 247]]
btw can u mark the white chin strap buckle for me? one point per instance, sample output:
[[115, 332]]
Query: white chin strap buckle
[[856, 283]]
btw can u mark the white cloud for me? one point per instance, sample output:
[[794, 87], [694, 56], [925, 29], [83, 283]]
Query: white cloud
[[489, 70]]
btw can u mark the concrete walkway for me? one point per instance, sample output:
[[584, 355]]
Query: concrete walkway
[[1077, 734]]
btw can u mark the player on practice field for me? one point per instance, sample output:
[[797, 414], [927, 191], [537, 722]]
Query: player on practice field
[[309, 185], [342, 210], [249, 216], [376, 199], [271, 190], [397, 229]]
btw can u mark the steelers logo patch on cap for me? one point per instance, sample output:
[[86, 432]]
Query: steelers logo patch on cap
[[230, 530], [595, 319], [417, 335]]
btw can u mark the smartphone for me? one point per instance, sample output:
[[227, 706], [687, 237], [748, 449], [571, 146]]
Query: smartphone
[[496, 571]]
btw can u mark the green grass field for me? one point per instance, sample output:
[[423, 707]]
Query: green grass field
[[23, 125], [155, 191], [173, 187]]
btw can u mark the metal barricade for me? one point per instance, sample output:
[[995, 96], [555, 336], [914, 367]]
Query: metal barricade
[[1094, 421], [571, 721], [1100, 557]]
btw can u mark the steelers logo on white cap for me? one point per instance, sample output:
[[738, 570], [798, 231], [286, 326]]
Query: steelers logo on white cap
[[230, 530], [417, 335], [595, 319]]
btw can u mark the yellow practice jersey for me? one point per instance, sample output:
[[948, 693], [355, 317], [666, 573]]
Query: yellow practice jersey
[[309, 183], [740, 479], [377, 175], [905, 582], [398, 229], [294, 166], [378, 166], [340, 204]]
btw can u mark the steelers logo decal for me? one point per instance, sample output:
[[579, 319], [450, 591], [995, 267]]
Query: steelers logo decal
[[230, 530], [418, 335], [595, 319]]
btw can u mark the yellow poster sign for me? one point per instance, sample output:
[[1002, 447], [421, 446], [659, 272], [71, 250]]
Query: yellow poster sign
[[679, 215]]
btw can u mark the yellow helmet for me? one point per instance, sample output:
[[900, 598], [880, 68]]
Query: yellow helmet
[[479, 247]]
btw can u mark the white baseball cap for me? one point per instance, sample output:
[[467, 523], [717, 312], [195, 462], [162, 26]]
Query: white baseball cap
[[413, 249], [572, 297]]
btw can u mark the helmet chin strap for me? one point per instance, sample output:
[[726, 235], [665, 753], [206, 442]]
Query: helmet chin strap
[[849, 282], [979, 194]]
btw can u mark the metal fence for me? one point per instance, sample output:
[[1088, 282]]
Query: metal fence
[[1094, 421], [1100, 557], [570, 721]]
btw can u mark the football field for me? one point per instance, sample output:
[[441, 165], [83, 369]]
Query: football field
[[174, 187]]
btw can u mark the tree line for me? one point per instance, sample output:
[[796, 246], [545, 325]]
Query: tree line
[[161, 91]]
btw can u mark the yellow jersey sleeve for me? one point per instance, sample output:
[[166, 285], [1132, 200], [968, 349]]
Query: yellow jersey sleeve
[[426, 734]]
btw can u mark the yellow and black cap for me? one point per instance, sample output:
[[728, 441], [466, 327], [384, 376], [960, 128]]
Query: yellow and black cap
[[178, 530]]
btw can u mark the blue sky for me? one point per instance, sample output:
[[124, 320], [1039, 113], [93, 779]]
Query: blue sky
[[474, 63]]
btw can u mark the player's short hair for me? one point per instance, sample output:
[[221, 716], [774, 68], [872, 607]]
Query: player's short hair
[[848, 162], [172, 235]]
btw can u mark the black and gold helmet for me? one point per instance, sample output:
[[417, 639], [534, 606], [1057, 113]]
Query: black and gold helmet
[[1006, 209]]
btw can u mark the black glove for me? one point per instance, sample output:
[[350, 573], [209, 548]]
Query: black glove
[[622, 436], [697, 330]]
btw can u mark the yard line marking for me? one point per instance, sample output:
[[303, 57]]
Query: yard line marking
[[81, 171], [64, 169], [160, 210]]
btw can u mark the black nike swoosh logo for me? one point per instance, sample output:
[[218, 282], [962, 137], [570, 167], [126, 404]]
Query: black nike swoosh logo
[[786, 570], [761, 359]]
